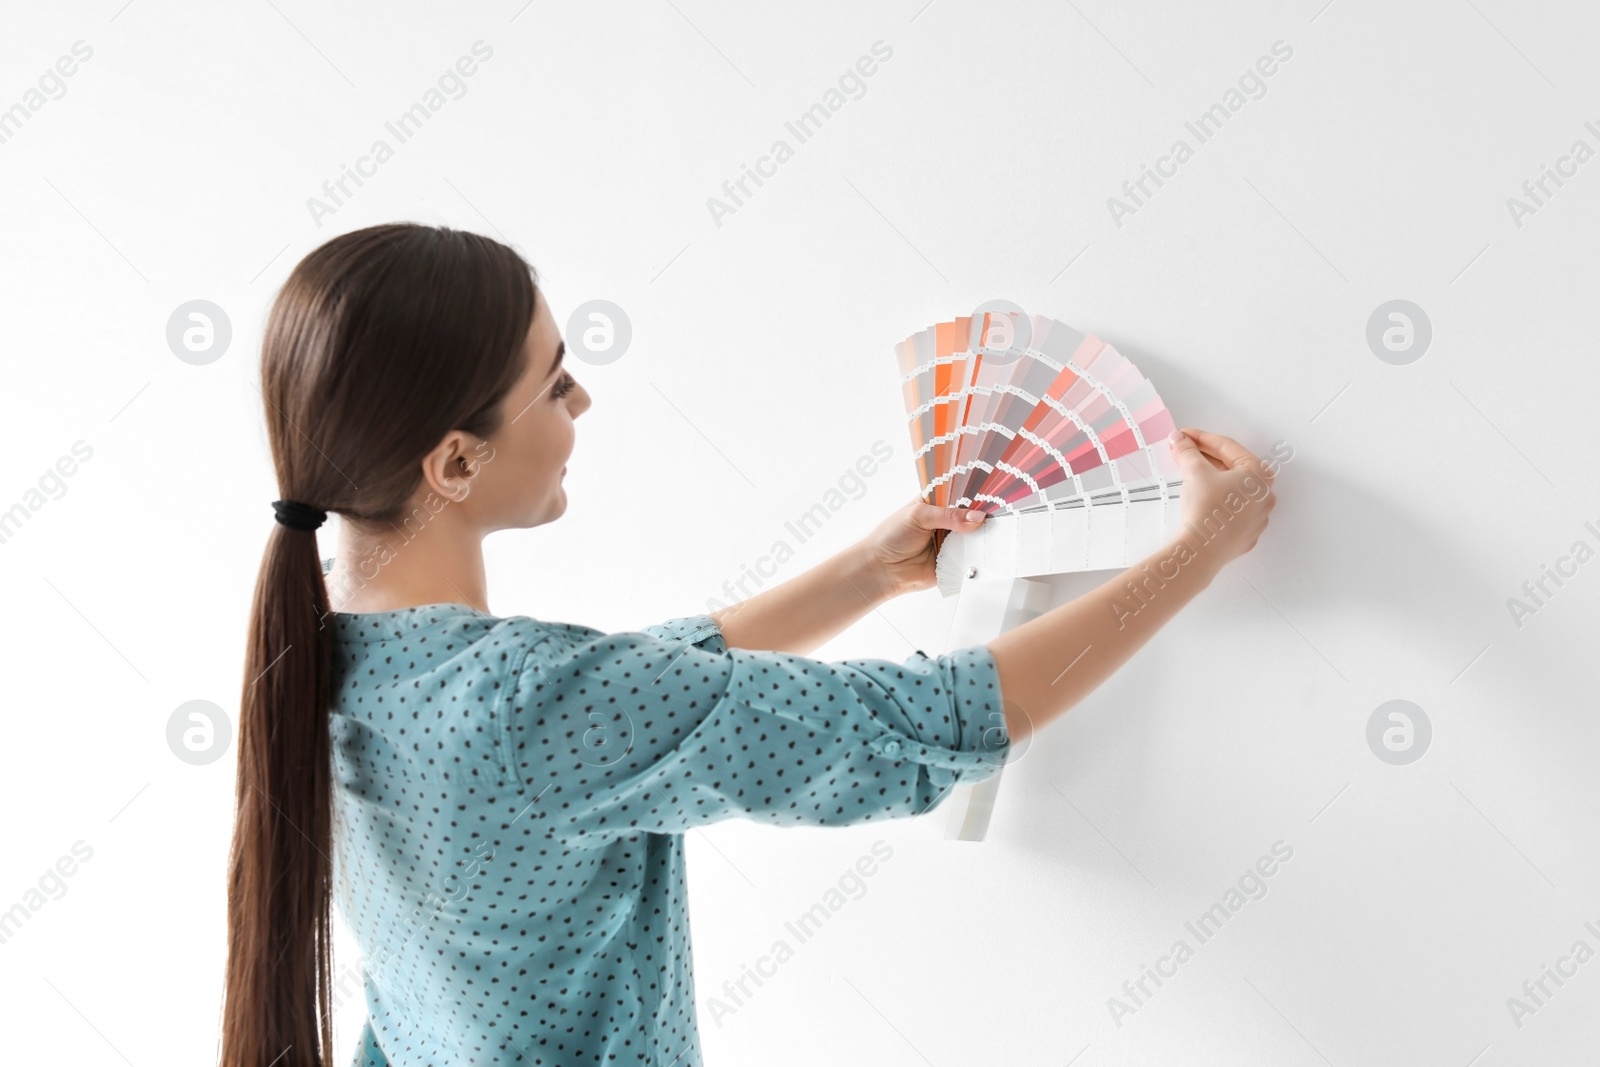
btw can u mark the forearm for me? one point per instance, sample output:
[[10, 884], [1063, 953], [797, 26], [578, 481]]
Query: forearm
[[1048, 664], [807, 610]]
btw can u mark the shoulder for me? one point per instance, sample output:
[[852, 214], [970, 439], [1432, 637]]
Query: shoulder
[[541, 639], [440, 647], [455, 640], [699, 629], [569, 665]]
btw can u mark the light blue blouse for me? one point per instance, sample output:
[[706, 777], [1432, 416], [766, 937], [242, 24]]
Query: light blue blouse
[[510, 797]]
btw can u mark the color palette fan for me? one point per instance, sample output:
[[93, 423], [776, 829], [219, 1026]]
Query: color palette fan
[[1028, 419]]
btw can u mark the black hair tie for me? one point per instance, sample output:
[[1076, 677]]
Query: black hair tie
[[298, 516]]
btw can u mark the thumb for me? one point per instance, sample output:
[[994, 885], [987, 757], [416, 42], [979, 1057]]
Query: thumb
[[937, 517]]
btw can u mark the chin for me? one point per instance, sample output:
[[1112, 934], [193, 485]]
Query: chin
[[552, 508]]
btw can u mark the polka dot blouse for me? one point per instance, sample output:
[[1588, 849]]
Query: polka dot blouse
[[510, 798]]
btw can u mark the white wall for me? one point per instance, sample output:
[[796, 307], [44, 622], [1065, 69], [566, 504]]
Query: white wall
[[977, 165]]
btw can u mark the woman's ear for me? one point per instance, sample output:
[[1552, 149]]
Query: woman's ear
[[447, 470]]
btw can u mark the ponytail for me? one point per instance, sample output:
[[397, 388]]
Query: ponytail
[[278, 1007]]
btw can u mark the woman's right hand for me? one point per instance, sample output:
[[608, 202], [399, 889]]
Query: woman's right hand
[[1095, 634], [1213, 467]]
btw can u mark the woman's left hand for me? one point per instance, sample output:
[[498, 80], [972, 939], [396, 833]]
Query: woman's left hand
[[902, 548]]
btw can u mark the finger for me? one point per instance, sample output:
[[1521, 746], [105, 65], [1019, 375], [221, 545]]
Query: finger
[[1181, 435], [1229, 451], [1215, 444], [1186, 453]]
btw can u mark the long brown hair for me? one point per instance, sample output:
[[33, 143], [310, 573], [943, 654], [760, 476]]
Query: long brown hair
[[380, 342]]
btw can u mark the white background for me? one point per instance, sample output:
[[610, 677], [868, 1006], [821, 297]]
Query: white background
[[977, 165]]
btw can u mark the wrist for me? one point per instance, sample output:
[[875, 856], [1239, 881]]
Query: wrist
[[866, 575], [1200, 558]]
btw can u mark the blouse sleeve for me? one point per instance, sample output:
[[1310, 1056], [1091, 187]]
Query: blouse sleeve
[[667, 728]]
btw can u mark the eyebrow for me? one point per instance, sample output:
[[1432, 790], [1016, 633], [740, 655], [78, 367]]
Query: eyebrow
[[561, 350]]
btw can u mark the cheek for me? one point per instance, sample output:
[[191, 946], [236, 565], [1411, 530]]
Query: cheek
[[544, 448], [557, 443]]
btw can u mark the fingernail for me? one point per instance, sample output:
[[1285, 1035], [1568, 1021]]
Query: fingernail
[[974, 516], [1174, 437]]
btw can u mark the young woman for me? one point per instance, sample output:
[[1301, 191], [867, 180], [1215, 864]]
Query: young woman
[[498, 802]]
